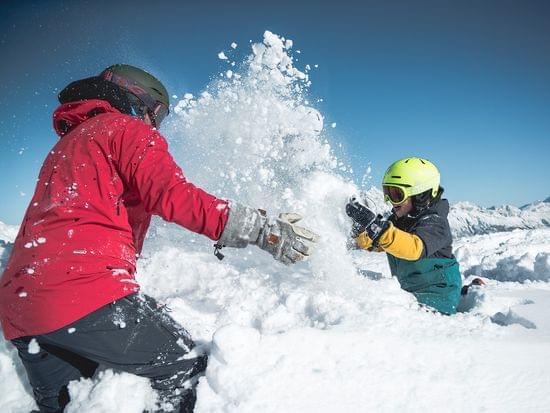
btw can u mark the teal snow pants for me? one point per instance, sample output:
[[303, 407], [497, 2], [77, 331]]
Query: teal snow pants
[[435, 282]]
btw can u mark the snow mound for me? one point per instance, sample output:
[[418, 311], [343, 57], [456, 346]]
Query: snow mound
[[103, 395], [523, 268], [519, 256]]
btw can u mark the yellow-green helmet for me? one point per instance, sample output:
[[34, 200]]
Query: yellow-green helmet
[[413, 176]]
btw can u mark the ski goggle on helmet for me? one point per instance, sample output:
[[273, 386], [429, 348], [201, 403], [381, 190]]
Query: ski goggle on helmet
[[408, 177], [147, 95], [395, 194]]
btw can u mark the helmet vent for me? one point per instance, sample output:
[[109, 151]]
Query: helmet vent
[[396, 177]]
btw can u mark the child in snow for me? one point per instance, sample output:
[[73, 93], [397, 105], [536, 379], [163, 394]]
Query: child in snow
[[416, 237], [68, 296]]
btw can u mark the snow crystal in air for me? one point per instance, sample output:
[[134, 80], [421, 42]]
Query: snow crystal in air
[[119, 323], [222, 56]]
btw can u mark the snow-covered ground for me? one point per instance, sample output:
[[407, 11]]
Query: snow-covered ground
[[336, 333]]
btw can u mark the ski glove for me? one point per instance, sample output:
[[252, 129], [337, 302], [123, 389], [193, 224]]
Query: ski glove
[[374, 225], [284, 240]]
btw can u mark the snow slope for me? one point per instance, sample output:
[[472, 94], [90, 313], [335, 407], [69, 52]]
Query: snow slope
[[336, 333], [469, 219]]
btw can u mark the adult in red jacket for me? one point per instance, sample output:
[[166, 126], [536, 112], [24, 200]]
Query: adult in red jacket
[[68, 297]]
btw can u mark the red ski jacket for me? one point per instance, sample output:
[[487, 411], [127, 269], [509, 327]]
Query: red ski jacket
[[98, 188]]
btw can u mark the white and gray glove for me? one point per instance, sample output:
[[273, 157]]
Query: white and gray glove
[[284, 240]]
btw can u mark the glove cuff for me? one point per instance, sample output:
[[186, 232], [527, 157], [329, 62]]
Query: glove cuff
[[376, 229], [242, 227]]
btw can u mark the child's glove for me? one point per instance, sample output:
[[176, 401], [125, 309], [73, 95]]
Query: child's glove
[[374, 225]]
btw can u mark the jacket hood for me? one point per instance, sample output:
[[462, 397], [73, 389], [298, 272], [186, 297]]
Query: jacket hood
[[69, 115]]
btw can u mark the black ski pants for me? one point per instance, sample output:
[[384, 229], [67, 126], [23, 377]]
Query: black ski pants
[[132, 334]]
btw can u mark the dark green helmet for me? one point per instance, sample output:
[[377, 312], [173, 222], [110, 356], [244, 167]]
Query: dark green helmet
[[127, 88], [152, 96]]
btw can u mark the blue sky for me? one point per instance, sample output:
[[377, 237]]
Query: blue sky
[[463, 83]]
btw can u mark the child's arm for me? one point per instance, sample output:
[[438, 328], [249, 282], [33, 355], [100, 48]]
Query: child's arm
[[396, 242]]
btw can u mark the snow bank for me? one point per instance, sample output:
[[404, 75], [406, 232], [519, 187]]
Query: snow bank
[[515, 256], [311, 370]]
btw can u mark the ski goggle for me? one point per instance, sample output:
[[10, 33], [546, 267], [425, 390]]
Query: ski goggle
[[397, 195], [141, 101], [140, 109]]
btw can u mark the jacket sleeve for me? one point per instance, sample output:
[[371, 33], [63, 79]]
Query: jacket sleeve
[[148, 168], [401, 244]]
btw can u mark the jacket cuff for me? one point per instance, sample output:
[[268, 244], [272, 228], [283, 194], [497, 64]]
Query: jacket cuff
[[243, 226], [363, 241]]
